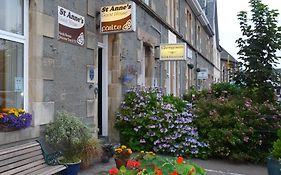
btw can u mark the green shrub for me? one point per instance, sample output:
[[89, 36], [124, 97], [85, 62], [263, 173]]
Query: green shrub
[[236, 126], [276, 152], [68, 134]]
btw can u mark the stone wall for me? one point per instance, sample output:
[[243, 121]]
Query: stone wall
[[57, 70]]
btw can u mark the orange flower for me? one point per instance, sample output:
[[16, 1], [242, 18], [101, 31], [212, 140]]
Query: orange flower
[[113, 171], [180, 160], [5, 109], [158, 171], [190, 172], [129, 151], [174, 173]]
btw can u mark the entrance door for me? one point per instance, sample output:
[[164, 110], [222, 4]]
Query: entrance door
[[102, 58], [100, 89]]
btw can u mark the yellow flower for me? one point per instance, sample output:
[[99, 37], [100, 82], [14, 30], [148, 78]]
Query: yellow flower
[[16, 113], [118, 150], [142, 151], [123, 147], [21, 111]]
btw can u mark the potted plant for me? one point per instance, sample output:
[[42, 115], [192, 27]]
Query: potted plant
[[108, 152], [121, 155], [274, 162], [12, 119], [92, 150], [68, 134]]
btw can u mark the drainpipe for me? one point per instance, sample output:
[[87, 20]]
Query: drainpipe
[[196, 55]]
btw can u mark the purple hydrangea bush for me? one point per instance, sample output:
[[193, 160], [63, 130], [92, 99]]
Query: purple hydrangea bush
[[149, 120]]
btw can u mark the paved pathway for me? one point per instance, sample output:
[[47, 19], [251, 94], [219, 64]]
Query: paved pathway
[[213, 167]]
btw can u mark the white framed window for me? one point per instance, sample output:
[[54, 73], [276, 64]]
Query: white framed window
[[13, 54], [172, 12]]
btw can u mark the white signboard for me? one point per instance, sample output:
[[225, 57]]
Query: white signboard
[[118, 18], [91, 74], [203, 74], [71, 27], [189, 53], [18, 84]]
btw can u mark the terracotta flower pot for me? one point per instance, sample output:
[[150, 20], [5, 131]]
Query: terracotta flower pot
[[120, 162]]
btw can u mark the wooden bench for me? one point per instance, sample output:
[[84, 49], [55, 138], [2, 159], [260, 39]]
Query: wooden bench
[[26, 159]]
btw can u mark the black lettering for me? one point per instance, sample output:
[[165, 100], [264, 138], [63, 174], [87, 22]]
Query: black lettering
[[62, 12]]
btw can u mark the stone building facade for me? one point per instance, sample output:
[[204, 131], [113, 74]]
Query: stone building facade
[[55, 73], [229, 65]]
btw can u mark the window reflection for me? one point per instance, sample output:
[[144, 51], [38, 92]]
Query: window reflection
[[11, 12], [11, 74]]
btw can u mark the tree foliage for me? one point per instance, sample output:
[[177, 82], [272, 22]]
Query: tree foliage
[[261, 38]]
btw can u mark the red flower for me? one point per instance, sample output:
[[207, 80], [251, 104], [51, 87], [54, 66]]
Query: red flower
[[133, 164], [158, 171], [174, 173], [180, 160], [113, 171]]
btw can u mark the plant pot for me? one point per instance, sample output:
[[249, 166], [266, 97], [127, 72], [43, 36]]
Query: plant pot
[[273, 166], [71, 169], [105, 158], [120, 162]]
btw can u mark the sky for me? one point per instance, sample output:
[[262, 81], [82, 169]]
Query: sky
[[229, 28]]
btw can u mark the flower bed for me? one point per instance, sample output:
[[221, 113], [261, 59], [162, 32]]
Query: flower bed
[[158, 165], [13, 119]]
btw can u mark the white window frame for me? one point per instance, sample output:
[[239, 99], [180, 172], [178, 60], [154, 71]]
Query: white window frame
[[23, 39]]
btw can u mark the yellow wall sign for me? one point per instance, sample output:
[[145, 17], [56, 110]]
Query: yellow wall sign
[[118, 18], [173, 52]]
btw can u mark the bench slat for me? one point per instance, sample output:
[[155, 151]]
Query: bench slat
[[23, 168], [33, 168], [19, 152], [20, 157], [20, 163], [48, 170], [18, 147], [26, 159]]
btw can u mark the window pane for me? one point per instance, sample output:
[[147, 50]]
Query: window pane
[[11, 12], [11, 74]]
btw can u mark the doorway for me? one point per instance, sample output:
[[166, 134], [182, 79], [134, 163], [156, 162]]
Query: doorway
[[100, 88], [102, 59]]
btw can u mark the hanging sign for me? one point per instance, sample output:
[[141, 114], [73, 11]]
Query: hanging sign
[[173, 52], [118, 18], [203, 74], [71, 27]]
